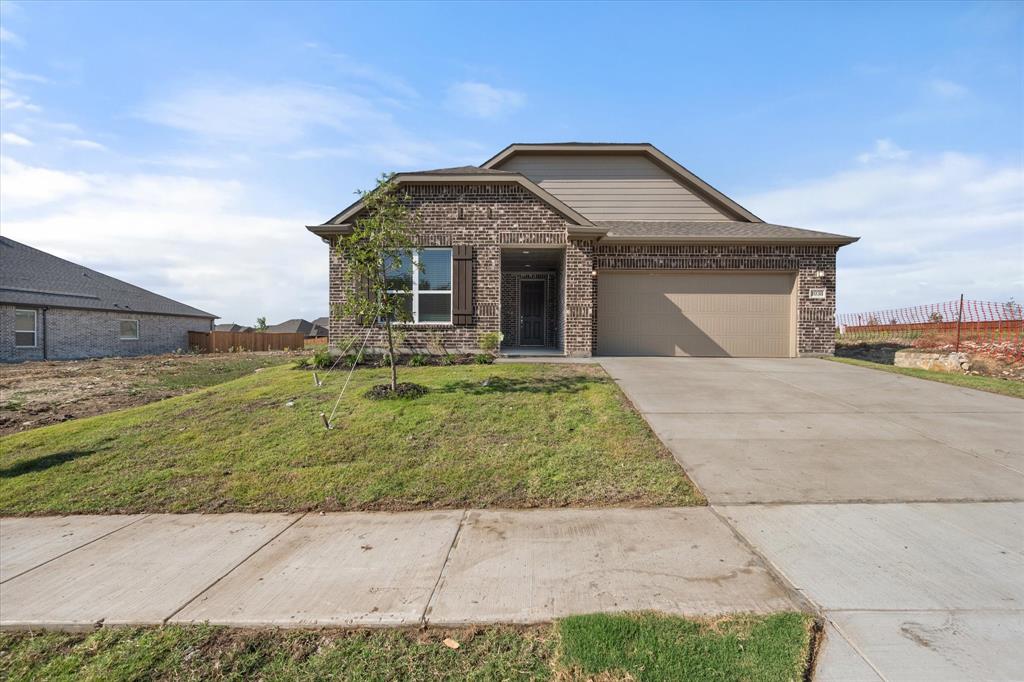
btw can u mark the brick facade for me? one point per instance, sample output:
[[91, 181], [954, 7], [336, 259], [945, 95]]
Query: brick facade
[[486, 217], [489, 217], [72, 334]]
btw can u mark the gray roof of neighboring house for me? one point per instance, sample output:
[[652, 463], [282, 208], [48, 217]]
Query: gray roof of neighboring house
[[293, 326], [722, 230], [300, 326], [231, 327], [35, 278]]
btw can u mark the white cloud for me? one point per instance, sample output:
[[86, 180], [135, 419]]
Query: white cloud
[[347, 66], [15, 140], [7, 74], [482, 100], [931, 228], [87, 144], [10, 38], [884, 150], [946, 88], [261, 115], [23, 186], [192, 239], [11, 100]]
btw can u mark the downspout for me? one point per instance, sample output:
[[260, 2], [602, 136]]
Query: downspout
[[45, 335]]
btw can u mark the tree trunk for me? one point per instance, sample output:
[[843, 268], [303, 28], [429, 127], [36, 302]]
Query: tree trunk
[[391, 357]]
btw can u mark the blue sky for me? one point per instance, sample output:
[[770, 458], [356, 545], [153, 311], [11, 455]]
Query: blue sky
[[184, 146]]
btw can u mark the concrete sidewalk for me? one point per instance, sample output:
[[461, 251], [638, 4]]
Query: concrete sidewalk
[[375, 569]]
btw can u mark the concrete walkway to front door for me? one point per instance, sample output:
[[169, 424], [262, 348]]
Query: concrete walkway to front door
[[376, 569], [894, 504]]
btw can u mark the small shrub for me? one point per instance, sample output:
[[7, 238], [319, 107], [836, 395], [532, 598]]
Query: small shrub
[[405, 390], [302, 363], [483, 359], [322, 359], [445, 360], [418, 360], [491, 341]]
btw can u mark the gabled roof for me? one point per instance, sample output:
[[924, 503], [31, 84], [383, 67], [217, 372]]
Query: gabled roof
[[35, 278], [231, 327], [579, 225], [675, 169], [292, 326], [717, 231]]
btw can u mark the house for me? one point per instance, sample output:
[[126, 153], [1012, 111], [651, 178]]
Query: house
[[231, 327], [321, 327], [53, 309], [610, 249], [300, 326]]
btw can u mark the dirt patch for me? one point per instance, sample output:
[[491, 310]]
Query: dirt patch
[[987, 360], [34, 394]]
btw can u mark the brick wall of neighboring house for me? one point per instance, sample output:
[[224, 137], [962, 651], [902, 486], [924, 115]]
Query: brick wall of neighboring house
[[511, 283], [72, 334], [815, 324]]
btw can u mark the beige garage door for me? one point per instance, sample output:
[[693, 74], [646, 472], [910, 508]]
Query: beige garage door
[[706, 314]]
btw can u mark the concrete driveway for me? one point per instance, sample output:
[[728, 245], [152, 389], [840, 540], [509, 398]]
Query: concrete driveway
[[894, 504]]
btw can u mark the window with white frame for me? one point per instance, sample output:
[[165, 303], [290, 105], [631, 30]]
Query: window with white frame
[[25, 328], [129, 330], [424, 280]]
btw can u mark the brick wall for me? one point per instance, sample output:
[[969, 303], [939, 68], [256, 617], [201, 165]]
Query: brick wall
[[510, 288], [72, 334], [491, 216], [484, 216], [815, 325]]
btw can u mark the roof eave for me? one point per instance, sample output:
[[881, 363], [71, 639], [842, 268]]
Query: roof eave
[[793, 241], [342, 219]]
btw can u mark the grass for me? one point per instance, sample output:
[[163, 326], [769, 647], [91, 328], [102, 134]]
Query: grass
[[508, 436], [202, 375], [1008, 387], [607, 647]]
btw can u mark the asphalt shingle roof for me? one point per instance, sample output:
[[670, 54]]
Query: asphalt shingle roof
[[32, 277], [461, 170], [713, 230]]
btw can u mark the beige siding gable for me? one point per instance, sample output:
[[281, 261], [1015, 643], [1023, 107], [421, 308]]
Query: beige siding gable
[[613, 186]]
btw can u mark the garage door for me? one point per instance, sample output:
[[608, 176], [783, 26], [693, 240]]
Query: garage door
[[706, 314]]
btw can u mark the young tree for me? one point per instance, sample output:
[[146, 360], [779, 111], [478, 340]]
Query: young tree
[[261, 324], [378, 254]]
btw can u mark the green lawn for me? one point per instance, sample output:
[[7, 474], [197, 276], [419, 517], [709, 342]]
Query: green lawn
[[604, 647], [526, 435], [990, 384]]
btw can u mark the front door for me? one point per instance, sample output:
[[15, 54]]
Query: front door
[[531, 313]]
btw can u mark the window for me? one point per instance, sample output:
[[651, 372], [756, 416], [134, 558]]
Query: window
[[424, 280], [25, 329], [129, 330]]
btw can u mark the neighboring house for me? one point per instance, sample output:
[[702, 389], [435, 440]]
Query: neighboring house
[[299, 326], [53, 309], [231, 327], [321, 327], [611, 249]]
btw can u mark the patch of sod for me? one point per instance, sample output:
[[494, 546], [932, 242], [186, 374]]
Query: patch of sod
[[511, 436], [1014, 389], [607, 647]]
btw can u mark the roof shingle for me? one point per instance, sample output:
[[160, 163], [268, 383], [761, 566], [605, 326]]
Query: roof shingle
[[32, 277]]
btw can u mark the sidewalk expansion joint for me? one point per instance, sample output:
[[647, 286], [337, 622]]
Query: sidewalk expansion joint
[[232, 569], [440, 576], [75, 549]]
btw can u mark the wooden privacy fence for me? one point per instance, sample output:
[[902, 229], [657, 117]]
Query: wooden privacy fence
[[225, 342]]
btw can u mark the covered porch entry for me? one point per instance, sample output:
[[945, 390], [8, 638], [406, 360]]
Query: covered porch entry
[[532, 297]]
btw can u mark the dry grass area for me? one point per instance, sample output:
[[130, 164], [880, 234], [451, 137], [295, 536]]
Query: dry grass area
[[34, 394]]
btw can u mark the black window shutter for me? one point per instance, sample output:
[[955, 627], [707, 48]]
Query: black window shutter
[[462, 285]]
